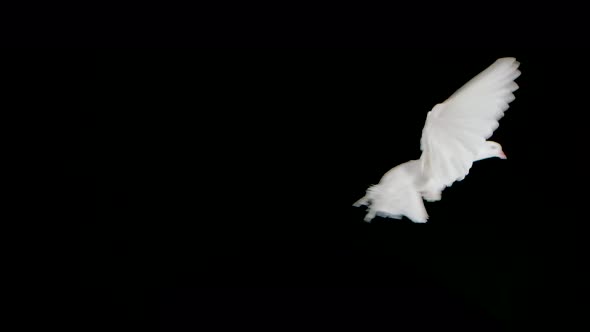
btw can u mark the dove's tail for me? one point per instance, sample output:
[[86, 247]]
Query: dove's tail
[[362, 201], [386, 202]]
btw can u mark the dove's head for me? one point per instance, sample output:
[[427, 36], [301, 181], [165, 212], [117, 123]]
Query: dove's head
[[491, 149]]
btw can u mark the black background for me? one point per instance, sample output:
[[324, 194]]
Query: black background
[[223, 182]]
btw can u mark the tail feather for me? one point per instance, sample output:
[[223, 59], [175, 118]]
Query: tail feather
[[387, 202]]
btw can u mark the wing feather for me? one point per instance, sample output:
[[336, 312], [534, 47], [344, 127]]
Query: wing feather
[[456, 129]]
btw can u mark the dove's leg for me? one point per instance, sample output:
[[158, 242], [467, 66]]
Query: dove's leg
[[370, 215]]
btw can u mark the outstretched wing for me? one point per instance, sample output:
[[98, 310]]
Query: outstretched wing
[[456, 129]]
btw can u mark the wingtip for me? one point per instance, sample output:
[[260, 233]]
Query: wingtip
[[509, 61]]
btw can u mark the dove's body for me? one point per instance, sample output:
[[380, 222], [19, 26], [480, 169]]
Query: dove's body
[[453, 137]]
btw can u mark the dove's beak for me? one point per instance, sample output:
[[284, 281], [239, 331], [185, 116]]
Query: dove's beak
[[502, 155]]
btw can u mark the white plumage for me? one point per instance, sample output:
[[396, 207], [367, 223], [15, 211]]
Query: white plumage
[[454, 136]]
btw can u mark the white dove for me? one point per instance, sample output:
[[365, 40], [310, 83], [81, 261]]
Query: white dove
[[454, 136]]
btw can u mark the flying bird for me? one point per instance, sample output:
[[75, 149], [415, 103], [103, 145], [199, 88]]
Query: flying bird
[[454, 136]]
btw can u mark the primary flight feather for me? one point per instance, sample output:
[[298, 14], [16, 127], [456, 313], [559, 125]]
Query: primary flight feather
[[454, 136]]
